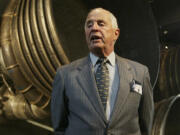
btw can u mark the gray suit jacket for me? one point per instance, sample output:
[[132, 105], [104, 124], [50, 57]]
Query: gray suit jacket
[[76, 108]]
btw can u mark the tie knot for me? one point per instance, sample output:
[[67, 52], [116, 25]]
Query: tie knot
[[102, 61]]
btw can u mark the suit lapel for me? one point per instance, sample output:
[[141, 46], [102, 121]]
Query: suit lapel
[[87, 82], [125, 76]]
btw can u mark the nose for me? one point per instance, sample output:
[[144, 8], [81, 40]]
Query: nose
[[95, 26]]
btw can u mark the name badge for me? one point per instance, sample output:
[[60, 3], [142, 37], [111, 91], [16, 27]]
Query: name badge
[[136, 86]]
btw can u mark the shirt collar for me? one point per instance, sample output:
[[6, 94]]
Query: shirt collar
[[111, 58]]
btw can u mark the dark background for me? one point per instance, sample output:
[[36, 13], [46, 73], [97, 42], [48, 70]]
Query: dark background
[[146, 28]]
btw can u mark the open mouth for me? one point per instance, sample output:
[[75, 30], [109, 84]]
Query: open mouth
[[95, 37]]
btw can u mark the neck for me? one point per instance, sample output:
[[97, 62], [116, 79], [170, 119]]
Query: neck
[[101, 54]]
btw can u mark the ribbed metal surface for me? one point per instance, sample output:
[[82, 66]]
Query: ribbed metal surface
[[169, 76], [36, 50], [31, 53], [167, 120]]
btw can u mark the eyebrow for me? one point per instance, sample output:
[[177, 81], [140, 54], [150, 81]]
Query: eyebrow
[[88, 21], [99, 20]]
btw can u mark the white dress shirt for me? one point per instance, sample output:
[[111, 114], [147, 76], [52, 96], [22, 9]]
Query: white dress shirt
[[114, 80]]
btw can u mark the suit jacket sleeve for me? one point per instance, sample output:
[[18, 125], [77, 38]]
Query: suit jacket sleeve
[[58, 105], [146, 109]]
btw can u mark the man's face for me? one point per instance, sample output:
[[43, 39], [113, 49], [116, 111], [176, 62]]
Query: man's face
[[100, 34]]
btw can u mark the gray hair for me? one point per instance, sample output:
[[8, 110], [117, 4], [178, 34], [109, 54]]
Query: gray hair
[[113, 18]]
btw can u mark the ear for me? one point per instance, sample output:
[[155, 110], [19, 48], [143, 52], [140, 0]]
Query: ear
[[117, 33]]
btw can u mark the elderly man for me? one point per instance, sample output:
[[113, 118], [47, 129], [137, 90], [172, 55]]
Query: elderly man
[[102, 94]]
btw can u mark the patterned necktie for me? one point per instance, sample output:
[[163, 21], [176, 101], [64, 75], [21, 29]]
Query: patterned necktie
[[102, 80]]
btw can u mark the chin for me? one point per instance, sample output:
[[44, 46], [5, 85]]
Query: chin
[[98, 45]]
